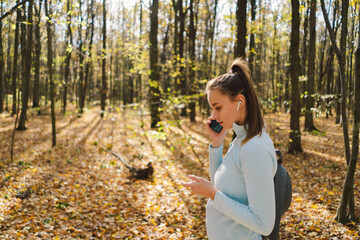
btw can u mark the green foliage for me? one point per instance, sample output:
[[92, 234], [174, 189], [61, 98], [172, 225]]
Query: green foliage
[[320, 133], [62, 205], [20, 163], [332, 166]]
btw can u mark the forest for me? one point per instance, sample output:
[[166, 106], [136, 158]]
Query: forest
[[94, 92]]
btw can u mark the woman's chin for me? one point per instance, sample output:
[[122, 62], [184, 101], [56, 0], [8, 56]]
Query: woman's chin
[[227, 128]]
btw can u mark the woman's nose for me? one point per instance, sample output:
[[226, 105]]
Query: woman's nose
[[213, 114]]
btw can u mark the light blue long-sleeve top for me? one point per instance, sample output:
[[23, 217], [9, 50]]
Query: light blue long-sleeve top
[[244, 206]]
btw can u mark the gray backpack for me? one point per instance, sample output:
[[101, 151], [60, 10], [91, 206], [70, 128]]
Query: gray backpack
[[283, 195]]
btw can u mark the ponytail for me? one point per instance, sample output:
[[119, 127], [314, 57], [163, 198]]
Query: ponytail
[[239, 81]]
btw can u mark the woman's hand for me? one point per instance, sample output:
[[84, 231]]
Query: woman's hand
[[216, 138], [201, 186]]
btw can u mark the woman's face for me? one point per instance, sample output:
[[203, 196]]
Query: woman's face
[[224, 110]]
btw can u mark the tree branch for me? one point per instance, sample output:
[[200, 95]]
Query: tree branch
[[12, 9], [331, 31]]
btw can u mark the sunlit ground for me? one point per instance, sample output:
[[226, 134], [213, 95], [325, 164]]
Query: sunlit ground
[[78, 190]]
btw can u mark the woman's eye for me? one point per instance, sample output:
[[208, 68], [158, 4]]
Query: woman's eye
[[218, 108]]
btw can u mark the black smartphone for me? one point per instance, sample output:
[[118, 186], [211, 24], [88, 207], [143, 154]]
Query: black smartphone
[[214, 125]]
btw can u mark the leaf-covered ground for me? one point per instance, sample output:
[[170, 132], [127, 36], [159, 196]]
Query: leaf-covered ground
[[78, 190]]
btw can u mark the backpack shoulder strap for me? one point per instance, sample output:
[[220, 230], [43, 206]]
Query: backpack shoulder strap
[[283, 194], [278, 155]]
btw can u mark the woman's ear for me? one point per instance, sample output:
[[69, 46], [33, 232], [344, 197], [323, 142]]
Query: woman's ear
[[241, 98]]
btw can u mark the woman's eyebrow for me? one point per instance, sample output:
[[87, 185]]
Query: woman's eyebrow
[[214, 104]]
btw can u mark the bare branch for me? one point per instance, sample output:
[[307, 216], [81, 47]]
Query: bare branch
[[12, 9], [331, 31]]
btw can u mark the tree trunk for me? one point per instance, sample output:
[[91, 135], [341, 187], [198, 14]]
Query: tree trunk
[[8, 71], [117, 76], [348, 196], [205, 73], [252, 36], [329, 77], [15, 62], [272, 65], [176, 7], [258, 49], [48, 14], [14, 131], [183, 88], [67, 73], [338, 118], [124, 63], [322, 72], [111, 92], [212, 35], [344, 215], [27, 70], [165, 78], [344, 31], [46, 94], [330, 71], [89, 58], [207, 45], [192, 81], [132, 76], [124, 80], [81, 53], [279, 73], [337, 84], [23, 55], [154, 93], [349, 76], [103, 79], [131, 82], [140, 96], [240, 44], [287, 90], [37, 45], [295, 135], [309, 121], [91, 83], [355, 137], [304, 52], [1, 64]]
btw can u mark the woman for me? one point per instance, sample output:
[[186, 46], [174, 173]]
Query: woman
[[241, 194]]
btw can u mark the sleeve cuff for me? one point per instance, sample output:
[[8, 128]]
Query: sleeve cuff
[[211, 148], [217, 199]]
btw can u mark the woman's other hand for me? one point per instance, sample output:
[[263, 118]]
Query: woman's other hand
[[201, 186]]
